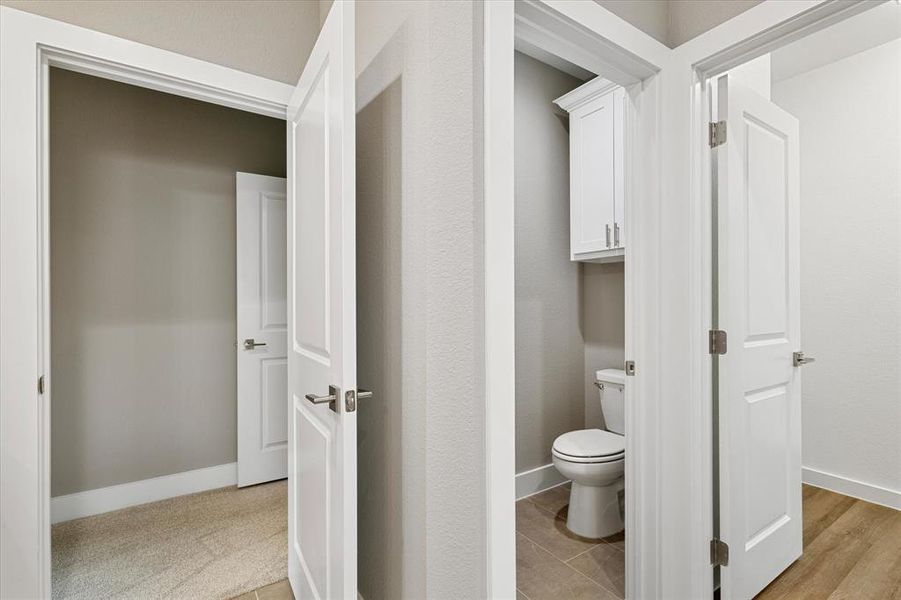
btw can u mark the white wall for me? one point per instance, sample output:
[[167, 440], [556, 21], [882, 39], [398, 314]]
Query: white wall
[[851, 263], [549, 344], [270, 38], [142, 218]]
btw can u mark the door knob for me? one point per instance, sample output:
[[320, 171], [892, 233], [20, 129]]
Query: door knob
[[363, 394], [799, 360], [332, 396], [250, 344]]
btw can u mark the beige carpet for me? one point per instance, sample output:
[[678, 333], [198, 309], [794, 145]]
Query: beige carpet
[[211, 545]]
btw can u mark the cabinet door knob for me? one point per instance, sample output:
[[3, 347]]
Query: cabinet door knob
[[616, 235], [608, 234]]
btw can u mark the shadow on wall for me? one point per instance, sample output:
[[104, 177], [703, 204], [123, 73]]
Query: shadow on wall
[[379, 345]]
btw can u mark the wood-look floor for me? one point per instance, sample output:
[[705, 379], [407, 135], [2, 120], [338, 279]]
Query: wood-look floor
[[852, 549]]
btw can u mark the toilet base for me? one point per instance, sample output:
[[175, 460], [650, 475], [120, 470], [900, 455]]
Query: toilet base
[[594, 510]]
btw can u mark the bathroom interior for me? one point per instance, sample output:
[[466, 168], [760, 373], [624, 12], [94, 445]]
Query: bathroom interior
[[570, 244]]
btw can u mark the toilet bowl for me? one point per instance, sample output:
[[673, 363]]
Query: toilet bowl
[[594, 460]]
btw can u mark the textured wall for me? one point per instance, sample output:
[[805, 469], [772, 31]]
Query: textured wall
[[380, 420], [549, 345], [431, 47], [603, 320], [651, 16], [673, 22], [143, 278], [270, 38], [851, 263], [691, 18]]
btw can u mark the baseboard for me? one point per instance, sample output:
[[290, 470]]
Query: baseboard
[[537, 480], [94, 502], [850, 487]]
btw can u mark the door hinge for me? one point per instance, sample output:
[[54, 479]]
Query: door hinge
[[719, 553], [717, 134], [718, 341], [41, 384], [630, 368]]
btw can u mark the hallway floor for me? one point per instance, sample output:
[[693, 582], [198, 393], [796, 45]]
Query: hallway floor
[[852, 549], [553, 563], [212, 545]]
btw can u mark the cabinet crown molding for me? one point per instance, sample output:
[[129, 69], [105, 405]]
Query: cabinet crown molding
[[584, 94]]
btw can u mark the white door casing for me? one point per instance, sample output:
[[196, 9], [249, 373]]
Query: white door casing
[[758, 199], [322, 468], [262, 319]]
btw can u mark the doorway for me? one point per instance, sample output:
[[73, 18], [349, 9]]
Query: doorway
[[143, 250], [806, 466], [555, 37]]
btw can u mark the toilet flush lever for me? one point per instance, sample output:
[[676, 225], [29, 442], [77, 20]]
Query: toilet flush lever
[[799, 360], [599, 385]]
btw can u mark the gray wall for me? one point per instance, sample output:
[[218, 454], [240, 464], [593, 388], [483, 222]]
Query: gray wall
[[603, 329], [271, 38], [549, 345], [570, 318], [380, 420], [674, 22], [143, 278]]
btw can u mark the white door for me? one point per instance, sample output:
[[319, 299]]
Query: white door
[[262, 295], [758, 196], [322, 354]]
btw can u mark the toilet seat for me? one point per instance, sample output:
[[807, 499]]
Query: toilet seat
[[590, 446]]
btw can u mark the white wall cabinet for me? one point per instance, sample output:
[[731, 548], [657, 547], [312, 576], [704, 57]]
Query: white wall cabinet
[[596, 174]]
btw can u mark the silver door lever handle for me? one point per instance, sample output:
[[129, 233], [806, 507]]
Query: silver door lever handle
[[361, 394], [250, 344], [330, 398]]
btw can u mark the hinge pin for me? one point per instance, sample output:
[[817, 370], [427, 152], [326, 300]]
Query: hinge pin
[[718, 341], [717, 134], [719, 553]]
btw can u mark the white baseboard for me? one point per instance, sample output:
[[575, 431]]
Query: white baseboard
[[537, 480], [94, 502], [850, 487]]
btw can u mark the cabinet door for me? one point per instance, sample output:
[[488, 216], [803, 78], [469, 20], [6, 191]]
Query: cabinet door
[[619, 175], [592, 177]]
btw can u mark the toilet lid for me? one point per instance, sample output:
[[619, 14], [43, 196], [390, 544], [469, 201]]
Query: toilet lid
[[590, 443]]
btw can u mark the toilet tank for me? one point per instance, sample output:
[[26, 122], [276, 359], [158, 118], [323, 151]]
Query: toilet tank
[[611, 385]]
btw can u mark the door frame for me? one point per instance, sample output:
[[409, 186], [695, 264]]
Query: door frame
[[634, 60], [760, 30], [29, 46]]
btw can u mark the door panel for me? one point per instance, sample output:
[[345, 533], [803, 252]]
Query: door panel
[[592, 175], [261, 277], [759, 389], [322, 442]]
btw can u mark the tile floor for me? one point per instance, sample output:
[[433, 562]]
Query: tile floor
[[280, 590], [553, 563]]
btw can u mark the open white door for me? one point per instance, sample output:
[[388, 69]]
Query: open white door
[[758, 199], [262, 324], [322, 351]]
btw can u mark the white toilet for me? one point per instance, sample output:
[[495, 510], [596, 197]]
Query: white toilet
[[594, 460]]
